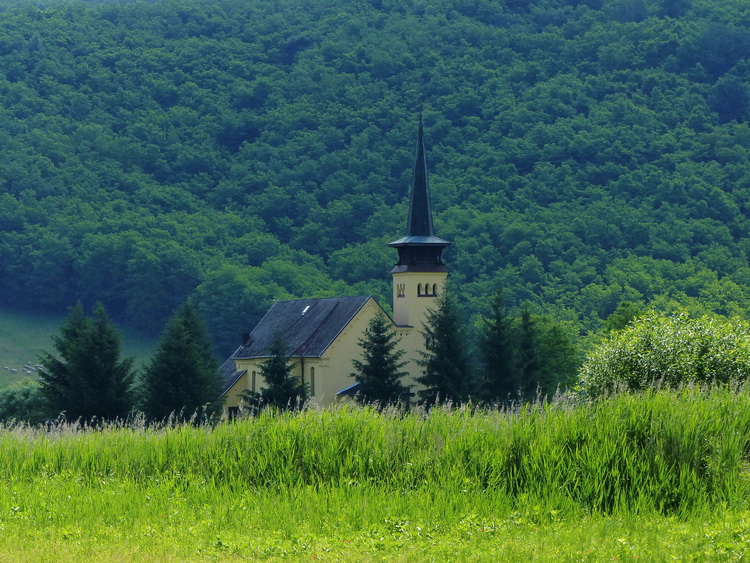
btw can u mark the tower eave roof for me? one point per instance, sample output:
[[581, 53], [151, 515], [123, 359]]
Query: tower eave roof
[[419, 241]]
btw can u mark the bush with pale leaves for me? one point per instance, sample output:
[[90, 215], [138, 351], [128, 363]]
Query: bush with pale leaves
[[658, 350]]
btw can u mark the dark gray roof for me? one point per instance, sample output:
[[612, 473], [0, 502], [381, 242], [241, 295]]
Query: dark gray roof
[[229, 375], [350, 391], [306, 326], [419, 241]]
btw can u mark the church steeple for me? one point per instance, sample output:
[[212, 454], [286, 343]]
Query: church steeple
[[420, 210], [420, 248], [420, 274]]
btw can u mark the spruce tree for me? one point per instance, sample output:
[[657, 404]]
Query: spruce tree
[[559, 358], [524, 357], [379, 374], [500, 377], [447, 374], [183, 375], [87, 380], [283, 390], [529, 360]]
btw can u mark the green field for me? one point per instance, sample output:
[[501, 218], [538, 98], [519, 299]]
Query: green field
[[657, 476], [24, 335]]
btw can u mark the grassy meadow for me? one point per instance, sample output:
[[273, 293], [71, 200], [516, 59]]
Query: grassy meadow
[[655, 476], [25, 335]]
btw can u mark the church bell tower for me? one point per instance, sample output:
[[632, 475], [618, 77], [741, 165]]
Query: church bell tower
[[420, 275]]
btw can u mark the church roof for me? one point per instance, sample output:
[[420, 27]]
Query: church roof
[[415, 241], [306, 326]]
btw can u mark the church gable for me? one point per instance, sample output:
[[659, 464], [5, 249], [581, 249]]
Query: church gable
[[321, 336], [306, 326]]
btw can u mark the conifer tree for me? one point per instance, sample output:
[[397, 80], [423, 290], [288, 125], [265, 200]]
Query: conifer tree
[[87, 380], [183, 376], [380, 373], [529, 361], [500, 377], [447, 374], [524, 356], [283, 390]]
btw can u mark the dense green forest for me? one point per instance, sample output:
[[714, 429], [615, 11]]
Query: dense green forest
[[582, 153]]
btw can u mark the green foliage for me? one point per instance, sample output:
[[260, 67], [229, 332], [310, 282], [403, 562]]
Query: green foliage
[[22, 402], [182, 378], [88, 379], [500, 378], [581, 153], [380, 371], [283, 391], [447, 375], [658, 350], [523, 357], [625, 314]]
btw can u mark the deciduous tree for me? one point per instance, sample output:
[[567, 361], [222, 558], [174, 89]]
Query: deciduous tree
[[669, 351]]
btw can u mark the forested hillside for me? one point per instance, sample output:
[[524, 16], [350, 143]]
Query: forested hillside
[[582, 152]]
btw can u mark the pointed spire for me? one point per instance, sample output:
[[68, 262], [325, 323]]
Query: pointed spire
[[420, 212], [420, 247]]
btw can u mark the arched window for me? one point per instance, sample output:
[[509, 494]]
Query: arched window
[[419, 290], [434, 289], [312, 381], [252, 382]]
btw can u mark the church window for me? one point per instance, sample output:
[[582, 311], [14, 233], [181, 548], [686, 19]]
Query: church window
[[434, 289], [252, 382], [419, 290], [312, 381]]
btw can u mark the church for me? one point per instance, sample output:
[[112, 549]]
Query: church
[[321, 335]]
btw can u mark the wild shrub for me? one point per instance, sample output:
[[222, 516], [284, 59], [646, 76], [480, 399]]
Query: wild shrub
[[671, 351]]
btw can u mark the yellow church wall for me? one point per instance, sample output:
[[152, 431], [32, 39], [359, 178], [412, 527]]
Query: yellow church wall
[[336, 364], [325, 376], [414, 293], [414, 296], [411, 341], [251, 380]]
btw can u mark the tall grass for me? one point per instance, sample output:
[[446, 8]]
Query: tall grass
[[670, 452]]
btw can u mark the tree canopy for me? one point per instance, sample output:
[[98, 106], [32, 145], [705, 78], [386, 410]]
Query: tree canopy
[[283, 390], [582, 153], [447, 370], [658, 350]]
